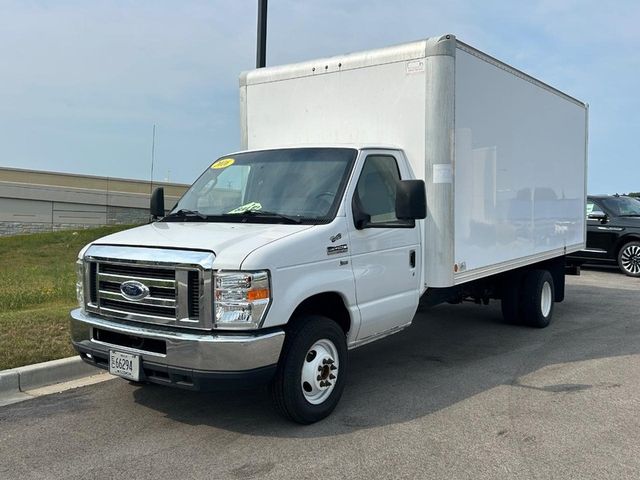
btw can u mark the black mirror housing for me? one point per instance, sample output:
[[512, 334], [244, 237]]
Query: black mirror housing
[[157, 203], [411, 200], [598, 216]]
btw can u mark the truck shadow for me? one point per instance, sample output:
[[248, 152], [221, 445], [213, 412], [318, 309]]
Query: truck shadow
[[449, 354]]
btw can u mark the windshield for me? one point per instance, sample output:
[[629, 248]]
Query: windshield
[[298, 185], [622, 206]]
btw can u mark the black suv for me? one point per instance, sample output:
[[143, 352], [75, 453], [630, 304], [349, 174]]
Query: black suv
[[613, 233]]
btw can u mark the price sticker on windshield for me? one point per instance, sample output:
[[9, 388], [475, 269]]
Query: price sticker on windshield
[[223, 163]]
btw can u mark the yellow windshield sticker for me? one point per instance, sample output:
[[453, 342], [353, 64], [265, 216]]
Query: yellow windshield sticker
[[223, 163]]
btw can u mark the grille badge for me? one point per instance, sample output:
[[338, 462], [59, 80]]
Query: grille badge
[[134, 290]]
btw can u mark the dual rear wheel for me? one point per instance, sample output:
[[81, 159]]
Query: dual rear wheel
[[529, 299]]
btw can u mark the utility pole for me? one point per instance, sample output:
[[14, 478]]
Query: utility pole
[[153, 157], [261, 56]]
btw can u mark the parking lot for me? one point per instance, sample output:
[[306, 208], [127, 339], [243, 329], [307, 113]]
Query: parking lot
[[460, 394]]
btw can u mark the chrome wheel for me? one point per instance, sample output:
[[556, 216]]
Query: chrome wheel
[[545, 299], [319, 371], [630, 259]]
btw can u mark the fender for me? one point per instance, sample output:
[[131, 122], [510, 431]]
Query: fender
[[629, 237], [303, 265], [293, 285]]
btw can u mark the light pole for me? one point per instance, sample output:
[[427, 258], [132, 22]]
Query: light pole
[[261, 56]]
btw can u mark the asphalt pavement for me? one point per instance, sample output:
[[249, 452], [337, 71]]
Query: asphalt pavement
[[458, 395]]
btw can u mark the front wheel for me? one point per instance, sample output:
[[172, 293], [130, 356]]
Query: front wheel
[[629, 259], [312, 370]]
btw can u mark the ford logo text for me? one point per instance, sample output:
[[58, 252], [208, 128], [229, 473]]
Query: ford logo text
[[134, 290]]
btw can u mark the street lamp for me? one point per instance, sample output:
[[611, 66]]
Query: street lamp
[[261, 57]]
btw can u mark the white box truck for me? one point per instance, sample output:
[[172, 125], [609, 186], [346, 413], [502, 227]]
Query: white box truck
[[369, 183]]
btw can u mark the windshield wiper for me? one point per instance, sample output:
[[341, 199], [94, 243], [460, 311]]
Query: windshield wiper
[[186, 213], [266, 214], [630, 215]]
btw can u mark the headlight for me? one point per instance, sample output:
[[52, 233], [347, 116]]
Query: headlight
[[241, 299], [80, 283]]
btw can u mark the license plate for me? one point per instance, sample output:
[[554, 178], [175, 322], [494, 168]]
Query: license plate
[[124, 365]]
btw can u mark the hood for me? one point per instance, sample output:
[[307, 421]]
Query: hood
[[230, 242]]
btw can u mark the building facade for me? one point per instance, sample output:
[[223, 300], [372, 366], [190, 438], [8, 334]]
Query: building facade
[[37, 201]]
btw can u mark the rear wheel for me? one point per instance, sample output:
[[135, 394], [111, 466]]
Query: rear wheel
[[311, 372], [537, 298], [629, 259]]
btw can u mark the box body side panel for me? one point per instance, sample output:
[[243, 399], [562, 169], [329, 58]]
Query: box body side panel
[[520, 167]]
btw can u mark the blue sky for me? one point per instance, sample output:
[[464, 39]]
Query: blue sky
[[83, 82]]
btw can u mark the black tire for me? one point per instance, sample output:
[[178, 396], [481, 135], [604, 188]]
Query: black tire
[[510, 301], [286, 388], [629, 259], [536, 300]]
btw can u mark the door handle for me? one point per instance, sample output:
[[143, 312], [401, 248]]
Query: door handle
[[412, 259]]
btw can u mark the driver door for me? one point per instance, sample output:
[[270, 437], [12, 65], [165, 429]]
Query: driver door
[[385, 253]]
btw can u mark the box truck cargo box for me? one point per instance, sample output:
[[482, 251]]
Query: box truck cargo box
[[503, 155]]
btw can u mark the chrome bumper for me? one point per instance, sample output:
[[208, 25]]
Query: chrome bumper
[[205, 352]]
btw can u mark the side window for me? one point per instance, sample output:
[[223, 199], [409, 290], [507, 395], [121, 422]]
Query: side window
[[375, 194], [593, 208]]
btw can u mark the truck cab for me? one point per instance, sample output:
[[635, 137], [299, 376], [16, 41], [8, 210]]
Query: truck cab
[[262, 239]]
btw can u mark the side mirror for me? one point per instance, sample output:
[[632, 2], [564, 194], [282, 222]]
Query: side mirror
[[598, 216], [157, 203], [411, 200]]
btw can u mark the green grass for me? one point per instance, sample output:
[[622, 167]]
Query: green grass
[[37, 291]]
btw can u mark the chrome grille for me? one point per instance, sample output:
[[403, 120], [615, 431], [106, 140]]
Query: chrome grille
[[161, 301], [177, 292]]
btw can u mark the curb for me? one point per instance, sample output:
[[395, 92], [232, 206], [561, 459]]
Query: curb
[[29, 377]]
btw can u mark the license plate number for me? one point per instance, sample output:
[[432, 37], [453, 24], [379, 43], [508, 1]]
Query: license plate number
[[124, 365]]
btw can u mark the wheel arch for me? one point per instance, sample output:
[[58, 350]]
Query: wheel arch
[[556, 267], [329, 304], [622, 241]]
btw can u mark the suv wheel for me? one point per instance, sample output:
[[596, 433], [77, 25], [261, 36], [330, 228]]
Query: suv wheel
[[629, 259]]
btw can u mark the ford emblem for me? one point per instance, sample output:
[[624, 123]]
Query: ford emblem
[[134, 290]]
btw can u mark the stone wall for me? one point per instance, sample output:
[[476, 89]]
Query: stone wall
[[127, 216], [17, 228], [115, 216]]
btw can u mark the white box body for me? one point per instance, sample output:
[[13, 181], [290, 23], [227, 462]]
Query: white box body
[[503, 155]]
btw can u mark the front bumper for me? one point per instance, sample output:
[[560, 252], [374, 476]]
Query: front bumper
[[198, 361]]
